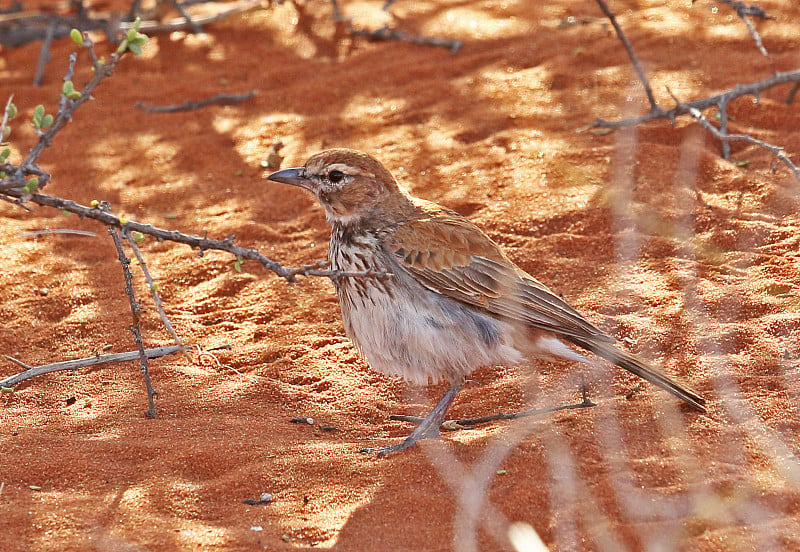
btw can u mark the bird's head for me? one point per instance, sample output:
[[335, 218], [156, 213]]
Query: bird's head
[[352, 186]]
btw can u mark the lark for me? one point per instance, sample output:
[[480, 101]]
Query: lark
[[452, 301]]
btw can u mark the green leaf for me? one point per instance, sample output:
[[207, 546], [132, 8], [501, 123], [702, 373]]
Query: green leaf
[[31, 185], [6, 133], [68, 89], [47, 120], [38, 114], [135, 48], [237, 266], [12, 111], [122, 46], [137, 236], [4, 155], [76, 36]]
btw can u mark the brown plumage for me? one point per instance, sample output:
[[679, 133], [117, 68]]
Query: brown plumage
[[455, 301]]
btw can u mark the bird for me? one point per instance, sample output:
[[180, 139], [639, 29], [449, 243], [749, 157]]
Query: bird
[[438, 298]]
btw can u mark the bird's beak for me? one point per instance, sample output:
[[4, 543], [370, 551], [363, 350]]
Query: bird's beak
[[290, 176]]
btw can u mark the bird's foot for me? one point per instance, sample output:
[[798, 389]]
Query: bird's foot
[[420, 433]]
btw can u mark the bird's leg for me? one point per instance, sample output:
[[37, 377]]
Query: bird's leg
[[428, 427]]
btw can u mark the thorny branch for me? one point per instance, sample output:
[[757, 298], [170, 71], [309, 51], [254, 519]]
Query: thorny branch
[[203, 244], [135, 328]]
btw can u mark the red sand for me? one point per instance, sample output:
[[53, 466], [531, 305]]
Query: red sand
[[706, 285]]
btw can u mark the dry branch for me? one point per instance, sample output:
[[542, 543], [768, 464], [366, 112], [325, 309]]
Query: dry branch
[[745, 12], [136, 330], [692, 108], [33, 371], [189, 106]]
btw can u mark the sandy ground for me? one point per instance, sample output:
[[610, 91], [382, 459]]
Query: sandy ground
[[688, 259]]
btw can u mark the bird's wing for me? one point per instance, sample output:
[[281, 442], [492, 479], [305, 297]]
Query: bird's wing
[[449, 255]]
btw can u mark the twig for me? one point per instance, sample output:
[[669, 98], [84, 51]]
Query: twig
[[31, 28], [126, 233], [5, 120], [133, 11], [28, 167], [49, 231], [198, 242], [631, 54], [721, 101], [777, 151], [187, 105], [752, 89], [387, 33], [203, 354], [466, 422], [33, 371], [135, 310], [44, 55], [792, 93], [196, 28], [745, 11]]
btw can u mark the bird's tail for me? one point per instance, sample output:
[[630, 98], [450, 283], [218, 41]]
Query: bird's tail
[[637, 366]]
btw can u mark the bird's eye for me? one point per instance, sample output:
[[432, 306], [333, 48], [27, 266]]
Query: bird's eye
[[336, 176]]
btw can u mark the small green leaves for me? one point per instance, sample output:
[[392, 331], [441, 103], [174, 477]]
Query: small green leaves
[[31, 185], [69, 91], [12, 111], [4, 155], [137, 236], [41, 120], [76, 36], [6, 390], [95, 204], [237, 266], [134, 40], [6, 133]]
